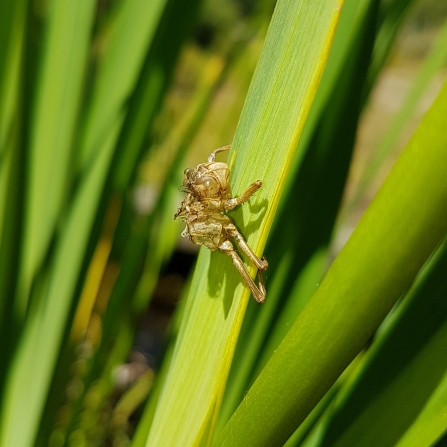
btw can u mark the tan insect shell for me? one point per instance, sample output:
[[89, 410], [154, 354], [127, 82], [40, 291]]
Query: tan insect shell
[[220, 172]]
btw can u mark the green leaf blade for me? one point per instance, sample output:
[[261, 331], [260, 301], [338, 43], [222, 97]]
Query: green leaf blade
[[129, 41], [402, 369], [277, 104], [55, 114], [431, 424]]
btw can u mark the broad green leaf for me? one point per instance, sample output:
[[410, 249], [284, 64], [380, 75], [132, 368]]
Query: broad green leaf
[[277, 104], [297, 248], [400, 372], [402, 226], [216, 76], [309, 431]]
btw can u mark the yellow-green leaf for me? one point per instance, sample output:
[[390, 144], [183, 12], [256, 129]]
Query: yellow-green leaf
[[278, 102]]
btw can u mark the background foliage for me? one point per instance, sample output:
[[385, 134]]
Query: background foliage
[[103, 104]]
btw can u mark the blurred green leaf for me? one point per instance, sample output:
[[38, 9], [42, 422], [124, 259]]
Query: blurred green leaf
[[13, 17], [12, 22], [54, 115], [175, 25], [34, 362], [432, 64], [391, 17], [118, 72], [431, 424]]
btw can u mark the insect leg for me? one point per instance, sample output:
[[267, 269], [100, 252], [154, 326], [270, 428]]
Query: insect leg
[[212, 156], [229, 204], [258, 293], [231, 230]]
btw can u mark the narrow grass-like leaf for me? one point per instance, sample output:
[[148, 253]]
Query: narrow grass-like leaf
[[12, 24], [31, 371], [53, 120], [118, 73], [175, 24], [145, 101], [433, 62], [349, 28], [391, 17], [119, 313], [403, 225], [143, 429], [279, 99], [431, 424]]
